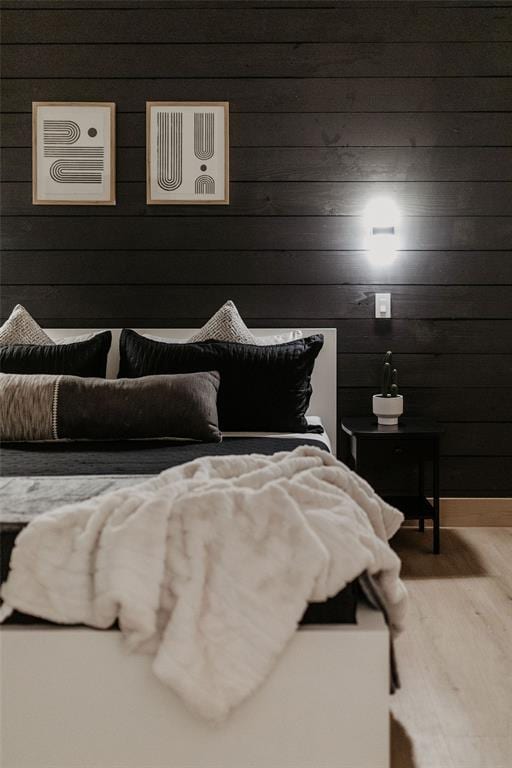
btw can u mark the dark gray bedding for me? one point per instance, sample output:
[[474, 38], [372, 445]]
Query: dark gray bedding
[[129, 457]]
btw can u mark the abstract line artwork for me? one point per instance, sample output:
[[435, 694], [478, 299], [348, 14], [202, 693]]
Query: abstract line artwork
[[60, 132], [205, 185], [187, 152], [169, 150], [76, 171], [204, 133], [76, 165], [73, 157]]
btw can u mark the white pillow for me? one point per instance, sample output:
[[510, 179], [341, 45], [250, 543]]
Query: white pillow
[[227, 325], [280, 338], [261, 341], [81, 337], [21, 328]]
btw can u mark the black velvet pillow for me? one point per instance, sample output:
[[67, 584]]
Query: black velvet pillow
[[79, 358], [261, 388]]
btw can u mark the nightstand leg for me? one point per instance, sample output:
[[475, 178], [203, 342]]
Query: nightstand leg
[[437, 543], [421, 491]]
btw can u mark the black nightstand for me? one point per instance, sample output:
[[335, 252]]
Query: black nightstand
[[371, 443]]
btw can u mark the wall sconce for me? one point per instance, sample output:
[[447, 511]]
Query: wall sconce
[[381, 219]]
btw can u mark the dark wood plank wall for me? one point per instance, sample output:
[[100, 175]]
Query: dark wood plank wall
[[330, 104]]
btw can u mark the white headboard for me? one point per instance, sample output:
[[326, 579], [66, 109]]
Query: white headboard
[[323, 400]]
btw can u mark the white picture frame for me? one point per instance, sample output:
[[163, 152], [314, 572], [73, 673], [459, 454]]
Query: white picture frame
[[187, 152], [73, 153]]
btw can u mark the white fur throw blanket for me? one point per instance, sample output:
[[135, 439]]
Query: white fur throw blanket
[[210, 565]]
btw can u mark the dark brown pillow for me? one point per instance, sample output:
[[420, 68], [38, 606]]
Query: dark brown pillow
[[46, 407]]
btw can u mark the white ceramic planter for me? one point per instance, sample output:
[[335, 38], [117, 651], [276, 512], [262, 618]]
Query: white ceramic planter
[[388, 409]]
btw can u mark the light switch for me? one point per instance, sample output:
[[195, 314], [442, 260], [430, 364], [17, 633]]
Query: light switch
[[382, 305]]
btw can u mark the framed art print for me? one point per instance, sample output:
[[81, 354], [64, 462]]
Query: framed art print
[[187, 153], [73, 153]]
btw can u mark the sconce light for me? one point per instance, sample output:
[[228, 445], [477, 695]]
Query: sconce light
[[381, 219]]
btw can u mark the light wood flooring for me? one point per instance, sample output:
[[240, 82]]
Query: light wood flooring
[[455, 658]]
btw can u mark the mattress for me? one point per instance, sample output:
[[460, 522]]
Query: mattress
[[37, 477]]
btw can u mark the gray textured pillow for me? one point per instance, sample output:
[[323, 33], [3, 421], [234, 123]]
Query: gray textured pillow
[[47, 407], [21, 328], [225, 325]]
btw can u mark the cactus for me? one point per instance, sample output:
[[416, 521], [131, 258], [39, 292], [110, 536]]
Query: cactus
[[394, 383], [389, 377], [386, 374]]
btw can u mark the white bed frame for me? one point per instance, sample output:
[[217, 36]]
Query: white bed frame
[[73, 698]]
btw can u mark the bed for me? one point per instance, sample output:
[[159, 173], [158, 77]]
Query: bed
[[325, 705]]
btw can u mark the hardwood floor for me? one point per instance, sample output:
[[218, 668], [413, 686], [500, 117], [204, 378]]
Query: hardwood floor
[[455, 658]]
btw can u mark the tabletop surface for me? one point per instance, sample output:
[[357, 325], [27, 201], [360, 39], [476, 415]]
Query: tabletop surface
[[367, 425]]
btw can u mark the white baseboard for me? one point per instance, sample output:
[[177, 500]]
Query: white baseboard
[[473, 512]]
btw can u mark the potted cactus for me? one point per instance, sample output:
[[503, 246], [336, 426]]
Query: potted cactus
[[389, 405]]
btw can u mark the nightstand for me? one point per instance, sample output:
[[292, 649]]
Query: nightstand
[[371, 445]]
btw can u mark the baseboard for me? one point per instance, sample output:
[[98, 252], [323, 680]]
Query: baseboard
[[472, 512]]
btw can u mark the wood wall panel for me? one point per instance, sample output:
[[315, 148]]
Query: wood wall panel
[[164, 23], [443, 371], [141, 266], [488, 440], [161, 303], [380, 94], [330, 105], [478, 405], [463, 475], [233, 232], [309, 60], [483, 337], [321, 164], [327, 129], [282, 198]]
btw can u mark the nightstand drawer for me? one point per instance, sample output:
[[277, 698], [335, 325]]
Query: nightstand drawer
[[410, 446], [370, 447]]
